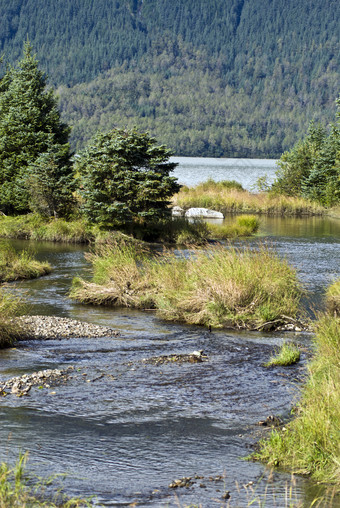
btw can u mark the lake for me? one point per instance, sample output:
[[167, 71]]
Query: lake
[[193, 170]]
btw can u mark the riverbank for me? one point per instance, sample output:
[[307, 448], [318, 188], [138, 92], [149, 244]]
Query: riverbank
[[228, 198], [310, 443], [178, 231], [222, 288]]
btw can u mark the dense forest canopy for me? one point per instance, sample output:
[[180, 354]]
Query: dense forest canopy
[[218, 78]]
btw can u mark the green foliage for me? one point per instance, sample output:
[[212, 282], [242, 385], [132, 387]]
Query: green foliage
[[51, 181], [312, 168], [34, 150], [124, 179], [296, 165]]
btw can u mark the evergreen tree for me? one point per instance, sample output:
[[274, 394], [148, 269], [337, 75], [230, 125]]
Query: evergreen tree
[[125, 179], [312, 168], [295, 166], [51, 181], [323, 181], [29, 127]]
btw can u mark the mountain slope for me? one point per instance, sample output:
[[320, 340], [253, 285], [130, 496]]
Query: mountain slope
[[224, 77]]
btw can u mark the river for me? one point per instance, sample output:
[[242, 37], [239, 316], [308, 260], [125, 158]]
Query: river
[[125, 436]]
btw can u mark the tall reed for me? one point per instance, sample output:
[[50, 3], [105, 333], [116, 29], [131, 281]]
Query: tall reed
[[17, 492], [35, 227]]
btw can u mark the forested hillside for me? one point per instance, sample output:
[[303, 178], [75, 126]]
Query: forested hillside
[[218, 78]]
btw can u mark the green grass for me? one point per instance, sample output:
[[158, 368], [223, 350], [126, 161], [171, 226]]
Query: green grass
[[10, 307], [16, 493], [34, 227], [244, 225], [223, 287], [226, 199], [333, 298], [288, 354], [310, 443], [14, 266]]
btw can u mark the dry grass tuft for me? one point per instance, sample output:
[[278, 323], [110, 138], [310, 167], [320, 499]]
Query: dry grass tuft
[[219, 288]]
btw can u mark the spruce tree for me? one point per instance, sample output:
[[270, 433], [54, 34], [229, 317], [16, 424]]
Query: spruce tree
[[30, 126], [125, 179]]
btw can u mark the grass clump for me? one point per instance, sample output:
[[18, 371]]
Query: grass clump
[[310, 443], [14, 266], [245, 225], [333, 298], [226, 199], [220, 288], [9, 309], [288, 354], [118, 276], [16, 493]]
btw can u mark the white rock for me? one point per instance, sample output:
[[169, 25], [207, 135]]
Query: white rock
[[177, 211], [204, 212]]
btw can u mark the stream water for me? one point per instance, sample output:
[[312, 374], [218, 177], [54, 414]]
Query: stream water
[[123, 430]]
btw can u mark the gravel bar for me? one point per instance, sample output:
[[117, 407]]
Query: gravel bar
[[53, 327]]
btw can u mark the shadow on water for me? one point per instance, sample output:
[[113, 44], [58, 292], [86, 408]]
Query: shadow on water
[[124, 429]]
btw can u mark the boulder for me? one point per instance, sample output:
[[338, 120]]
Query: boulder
[[203, 212], [177, 211]]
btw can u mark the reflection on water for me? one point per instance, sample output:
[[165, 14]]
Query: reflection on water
[[310, 228], [124, 429]]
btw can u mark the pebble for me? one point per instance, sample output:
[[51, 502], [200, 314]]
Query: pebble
[[194, 357], [21, 385], [53, 327]]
